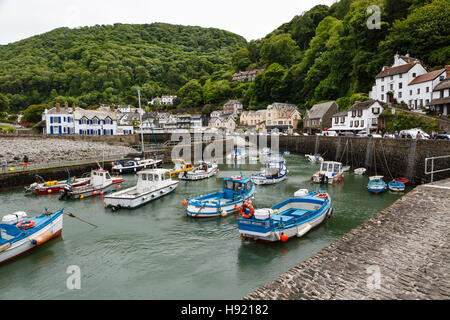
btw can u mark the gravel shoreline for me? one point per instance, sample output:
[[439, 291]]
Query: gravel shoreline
[[41, 151]]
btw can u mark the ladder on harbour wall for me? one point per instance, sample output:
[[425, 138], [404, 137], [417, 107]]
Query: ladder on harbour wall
[[433, 171]]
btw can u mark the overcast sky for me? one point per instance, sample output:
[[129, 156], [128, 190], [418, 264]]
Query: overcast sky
[[252, 19]]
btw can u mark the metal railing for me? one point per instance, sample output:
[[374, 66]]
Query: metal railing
[[433, 171]]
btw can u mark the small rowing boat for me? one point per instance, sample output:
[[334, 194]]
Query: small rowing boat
[[376, 185], [396, 186], [19, 233], [202, 170], [360, 171], [290, 218]]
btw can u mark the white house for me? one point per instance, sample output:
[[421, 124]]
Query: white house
[[408, 81], [362, 116], [166, 100], [224, 122], [440, 103], [79, 121], [233, 106]]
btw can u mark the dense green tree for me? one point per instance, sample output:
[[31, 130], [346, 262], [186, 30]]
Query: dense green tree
[[280, 49], [4, 103]]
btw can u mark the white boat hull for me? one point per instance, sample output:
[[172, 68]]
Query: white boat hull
[[262, 181], [24, 245], [129, 199], [192, 176]]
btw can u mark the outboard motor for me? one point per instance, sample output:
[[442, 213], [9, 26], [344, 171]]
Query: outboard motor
[[65, 192]]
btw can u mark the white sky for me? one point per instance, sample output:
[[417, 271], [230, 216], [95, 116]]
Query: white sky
[[252, 19]]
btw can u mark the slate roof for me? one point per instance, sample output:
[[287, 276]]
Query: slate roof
[[427, 76], [390, 71], [319, 110]]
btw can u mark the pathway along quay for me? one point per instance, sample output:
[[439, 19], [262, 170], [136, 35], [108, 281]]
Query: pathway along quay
[[408, 243]]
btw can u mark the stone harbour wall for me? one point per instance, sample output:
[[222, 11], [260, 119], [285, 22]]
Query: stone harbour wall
[[403, 252]]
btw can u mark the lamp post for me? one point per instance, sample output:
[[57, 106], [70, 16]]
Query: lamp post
[[393, 113]]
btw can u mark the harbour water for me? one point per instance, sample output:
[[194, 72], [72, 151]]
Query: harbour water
[[157, 252]]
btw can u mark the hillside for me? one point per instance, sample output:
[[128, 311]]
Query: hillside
[[104, 63], [329, 52]]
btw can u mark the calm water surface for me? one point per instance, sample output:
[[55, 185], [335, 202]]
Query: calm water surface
[[157, 252]]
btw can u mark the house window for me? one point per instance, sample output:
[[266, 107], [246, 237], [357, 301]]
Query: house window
[[375, 110], [354, 112], [336, 120], [399, 94], [342, 119], [392, 77], [268, 122], [428, 89], [400, 75], [427, 101], [351, 123], [382, 88], [374, 121], [362, 123], [356, 123], [360, 113], [418, 91], [382, 79], [391, 86], [414, 75], [410, 92], [382, 97], [400, 85]]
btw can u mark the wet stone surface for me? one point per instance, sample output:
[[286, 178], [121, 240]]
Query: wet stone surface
[[400, 253]]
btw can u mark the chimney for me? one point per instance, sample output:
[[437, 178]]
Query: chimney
[[58, 107], [73, 106], [66, 105], [447, 67]]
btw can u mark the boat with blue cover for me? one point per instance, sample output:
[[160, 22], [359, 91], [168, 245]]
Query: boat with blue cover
[[376, 185], [396, 186], [236, 190], [274, 171], [291, 218], [19, 233]]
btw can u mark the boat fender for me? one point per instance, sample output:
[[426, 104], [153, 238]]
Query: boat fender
[[303, 230], [277, 235], [184, 202], [284, 237], [42, 238], [5, 247], [330, 212], [223, 213]]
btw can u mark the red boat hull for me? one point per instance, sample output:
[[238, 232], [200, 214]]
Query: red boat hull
[[57, 189]]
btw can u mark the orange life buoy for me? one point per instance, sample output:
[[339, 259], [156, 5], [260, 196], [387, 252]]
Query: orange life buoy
[[323, 195], [27, 224], [247, 204]]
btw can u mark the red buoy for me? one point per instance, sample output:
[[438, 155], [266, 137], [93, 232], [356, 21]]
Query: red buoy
[[284, 237]]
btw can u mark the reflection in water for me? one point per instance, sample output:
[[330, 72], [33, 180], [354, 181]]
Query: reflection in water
[[157, 252]]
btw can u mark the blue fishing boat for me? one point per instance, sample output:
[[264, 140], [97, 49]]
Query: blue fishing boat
[[290, 218], [376, 185], [236, 190], [274, 171], [19, 233], [396, 186]]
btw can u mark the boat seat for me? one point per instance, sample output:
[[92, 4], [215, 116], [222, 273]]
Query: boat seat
[[279, 217], [298, 212]]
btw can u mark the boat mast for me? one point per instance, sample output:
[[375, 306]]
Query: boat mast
[[140, 116]]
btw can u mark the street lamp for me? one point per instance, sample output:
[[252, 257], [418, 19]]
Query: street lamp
[[393, 113]]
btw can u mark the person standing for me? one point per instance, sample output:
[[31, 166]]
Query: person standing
[[4, 163], [25, 162]]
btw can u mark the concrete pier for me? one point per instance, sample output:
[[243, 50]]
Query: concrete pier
[[403, 252]]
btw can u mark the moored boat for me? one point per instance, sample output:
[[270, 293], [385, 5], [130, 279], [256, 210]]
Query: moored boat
[[181, 166], [345, 168], [100, 183], [402, 180], [396, 186], [235, 191], [202, 170], [317, 158], [291, 218], [152, 184], [19, 233], [47, 187], [238, 154], [274, 171], [135, 165], [330, 172], [360, 171], [376, 185]]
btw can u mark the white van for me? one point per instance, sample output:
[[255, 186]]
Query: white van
[[329, 133], [412, 134]]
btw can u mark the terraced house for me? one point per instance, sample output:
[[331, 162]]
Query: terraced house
[[319, 117], [282, 116], [75, 120]]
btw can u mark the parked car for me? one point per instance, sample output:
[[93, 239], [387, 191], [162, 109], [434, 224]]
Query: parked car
[[388, 135], [329, 133], [346, 134], [412, 134], [444, 136], [362, 134], [295, 134]]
